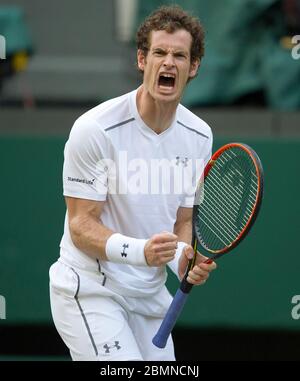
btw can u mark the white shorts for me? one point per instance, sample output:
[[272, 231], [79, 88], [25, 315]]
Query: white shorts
[[98, 325]]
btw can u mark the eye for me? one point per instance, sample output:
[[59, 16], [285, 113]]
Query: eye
[[180, 55], [158, 53]]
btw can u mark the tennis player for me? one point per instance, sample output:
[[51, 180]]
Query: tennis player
[[125, 220]]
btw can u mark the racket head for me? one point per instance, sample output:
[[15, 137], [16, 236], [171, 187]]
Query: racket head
[[227, 200]]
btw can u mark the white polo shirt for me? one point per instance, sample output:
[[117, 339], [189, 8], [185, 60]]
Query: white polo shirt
[[144, 177]]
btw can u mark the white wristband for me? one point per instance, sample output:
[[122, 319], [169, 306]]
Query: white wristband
[[127, 250], [174, 263]]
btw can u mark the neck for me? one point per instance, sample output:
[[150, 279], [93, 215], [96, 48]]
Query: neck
[[156, 114]]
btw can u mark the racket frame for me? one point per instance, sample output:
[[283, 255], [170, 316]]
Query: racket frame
[[185, 286]]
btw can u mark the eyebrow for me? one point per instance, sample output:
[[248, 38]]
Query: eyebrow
[[160, 49]]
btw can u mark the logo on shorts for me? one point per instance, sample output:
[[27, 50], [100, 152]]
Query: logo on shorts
[[124, 254], [109, 347]]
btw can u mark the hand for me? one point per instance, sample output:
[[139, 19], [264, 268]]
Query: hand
[[160, 249], [200, 272]]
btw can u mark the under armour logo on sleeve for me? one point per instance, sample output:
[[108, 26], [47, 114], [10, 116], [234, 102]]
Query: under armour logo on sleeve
[[125, 246], [108, 348]]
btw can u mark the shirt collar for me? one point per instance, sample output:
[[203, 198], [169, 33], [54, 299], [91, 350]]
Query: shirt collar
[[146, 130]]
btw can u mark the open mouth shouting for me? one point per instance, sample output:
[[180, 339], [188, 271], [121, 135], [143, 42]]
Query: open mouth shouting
[[166, 81]]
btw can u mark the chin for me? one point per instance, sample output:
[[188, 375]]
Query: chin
[[175, 97]]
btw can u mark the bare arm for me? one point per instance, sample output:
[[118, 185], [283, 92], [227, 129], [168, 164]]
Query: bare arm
[[90, 235], [183, 225], [87, 231]]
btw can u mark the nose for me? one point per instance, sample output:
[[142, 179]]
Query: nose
[[169, 61]]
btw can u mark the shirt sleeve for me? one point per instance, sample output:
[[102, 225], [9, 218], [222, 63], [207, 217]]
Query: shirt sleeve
[[86, 157]]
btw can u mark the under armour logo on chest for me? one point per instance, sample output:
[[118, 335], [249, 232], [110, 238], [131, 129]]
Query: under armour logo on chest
[[183, 161], [125, 246], [108, 348]]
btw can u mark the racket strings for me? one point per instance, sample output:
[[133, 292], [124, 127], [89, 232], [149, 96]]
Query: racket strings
[[230, 194], [225, 206], [248, 174]]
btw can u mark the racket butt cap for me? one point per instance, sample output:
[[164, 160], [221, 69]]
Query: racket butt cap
[[158, 342]]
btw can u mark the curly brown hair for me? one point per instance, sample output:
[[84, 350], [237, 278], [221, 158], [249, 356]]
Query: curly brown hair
[[172, 18]]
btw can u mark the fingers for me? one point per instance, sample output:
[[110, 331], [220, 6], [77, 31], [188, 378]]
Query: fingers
[[161, 249], [200, 273], [205, 263], [196, 282], [188, 252], [166, 246], [164, 237], [197, 276], [208, 266]]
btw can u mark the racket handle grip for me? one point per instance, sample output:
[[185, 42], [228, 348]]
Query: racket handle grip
[[161, 338]]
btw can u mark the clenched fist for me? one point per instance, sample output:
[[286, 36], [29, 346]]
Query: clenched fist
[[160, 249]]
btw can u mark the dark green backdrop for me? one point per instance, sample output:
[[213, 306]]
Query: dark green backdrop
[[252, 288], [244, 53]]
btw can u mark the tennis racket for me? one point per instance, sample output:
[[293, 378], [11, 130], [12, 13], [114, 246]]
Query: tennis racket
[[227, 202]]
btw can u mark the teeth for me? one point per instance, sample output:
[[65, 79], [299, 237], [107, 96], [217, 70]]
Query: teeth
[[168, 75]]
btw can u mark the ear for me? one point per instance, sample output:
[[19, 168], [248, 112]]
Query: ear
[[194, 68], [141, 60]]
